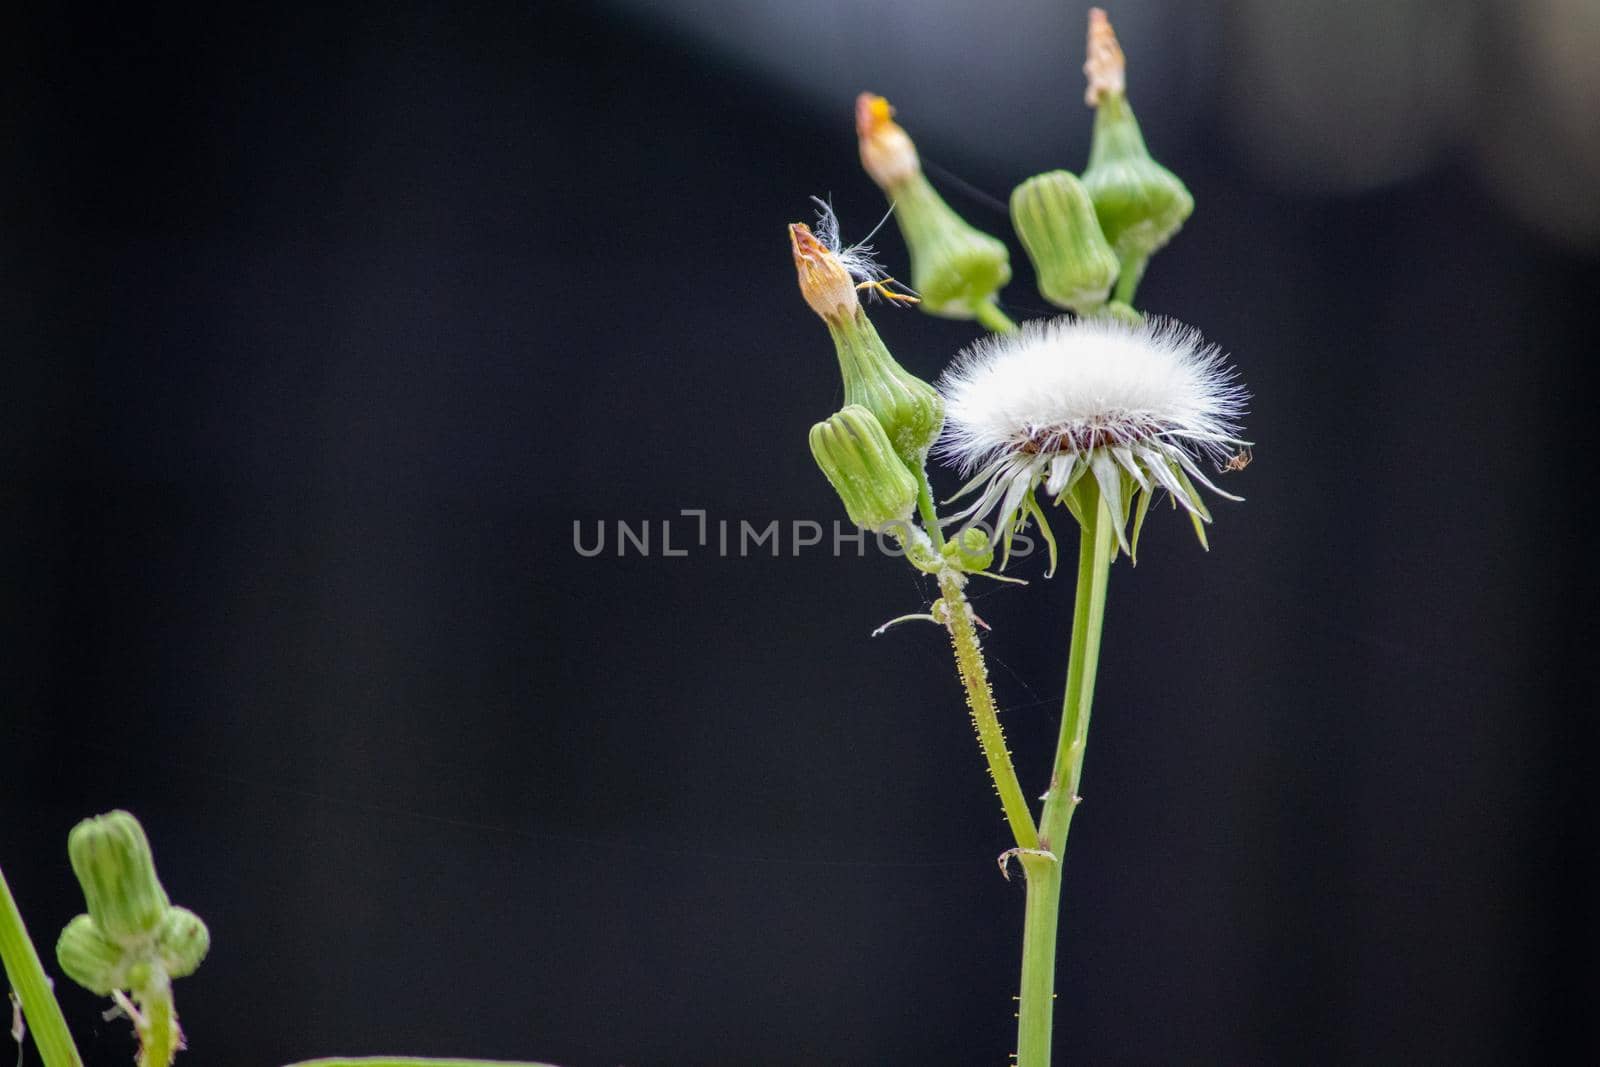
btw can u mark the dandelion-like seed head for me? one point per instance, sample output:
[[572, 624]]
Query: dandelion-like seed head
[[1132, 406]]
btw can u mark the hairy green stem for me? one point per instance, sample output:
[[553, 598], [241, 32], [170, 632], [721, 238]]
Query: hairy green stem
[[990, 316], [958, 619], [1035, 1012], [157, 1022], [32, 986]]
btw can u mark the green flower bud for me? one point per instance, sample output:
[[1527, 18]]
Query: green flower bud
[[91, 959], [1141, 204], [111, 858], [182, 942], [971, 550], [910, 410], [855, 454], [1056, 220], [954, 268]]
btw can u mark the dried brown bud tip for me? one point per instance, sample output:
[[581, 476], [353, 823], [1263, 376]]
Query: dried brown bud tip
[[1105, 67], [824, 281]]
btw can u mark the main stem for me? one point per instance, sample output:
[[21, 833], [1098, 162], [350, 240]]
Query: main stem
[[1035, 1011], [975, 679], [32, 986]]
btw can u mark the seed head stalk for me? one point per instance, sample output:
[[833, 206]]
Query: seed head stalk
[[1096, 548]]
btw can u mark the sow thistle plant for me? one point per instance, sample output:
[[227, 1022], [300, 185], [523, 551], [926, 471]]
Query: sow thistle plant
[[1096, 412]]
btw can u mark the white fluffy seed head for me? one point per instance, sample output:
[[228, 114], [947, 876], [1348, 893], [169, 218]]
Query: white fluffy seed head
[[1070, 385]]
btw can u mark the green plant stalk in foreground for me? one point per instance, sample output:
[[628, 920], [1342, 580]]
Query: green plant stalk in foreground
[[32, 986], [409, 1061], [1035, 1011]]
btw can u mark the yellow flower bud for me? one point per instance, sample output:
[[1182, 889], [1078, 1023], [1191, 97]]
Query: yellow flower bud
[[954, 267]]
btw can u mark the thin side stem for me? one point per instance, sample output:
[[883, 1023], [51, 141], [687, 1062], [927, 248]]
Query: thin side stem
[[991, 318], [32, 986], [1128, 280], [930, 515], [975, 679], [1035, 1012]]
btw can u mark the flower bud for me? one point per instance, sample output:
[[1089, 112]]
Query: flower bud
[[971, 549], [910, 410], [1140, 203], [91, 959], [183, 942], [1056, 220], [111, 858], [887, 154], [824, 281], [954, 267], [855, 454]]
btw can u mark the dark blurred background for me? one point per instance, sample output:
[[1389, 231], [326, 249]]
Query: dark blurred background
[[323, 327]]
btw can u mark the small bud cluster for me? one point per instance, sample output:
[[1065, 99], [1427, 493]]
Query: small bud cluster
[[1086, 234], [133, 937]]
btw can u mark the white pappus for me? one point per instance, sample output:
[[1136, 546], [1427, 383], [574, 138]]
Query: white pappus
[[859, 259], [1133, 405]]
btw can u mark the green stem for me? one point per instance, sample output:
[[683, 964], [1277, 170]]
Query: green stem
[[159, 1036], [975, 679], [990, 316], [1036, 1004], [1128, 280], [409, 1061], [930, 515], [1096, 547], [32, 986]]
